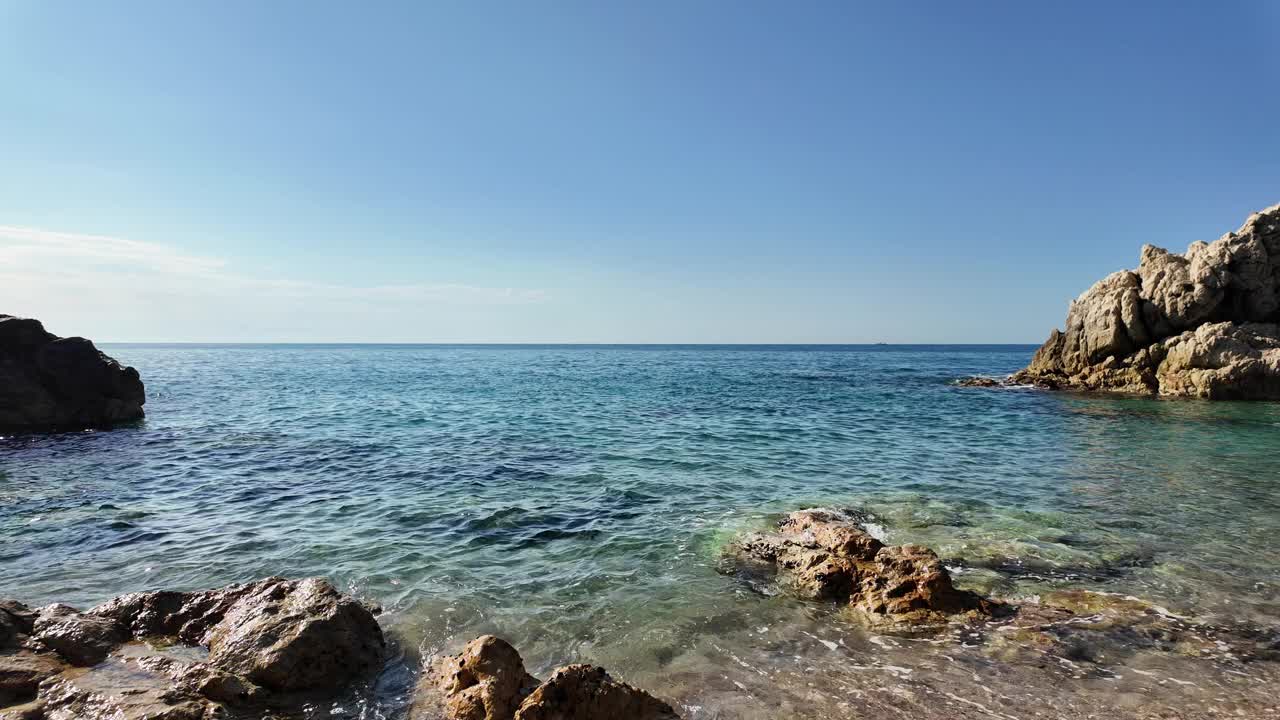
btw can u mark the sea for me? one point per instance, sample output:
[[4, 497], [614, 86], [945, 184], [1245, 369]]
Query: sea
[[579, 501]]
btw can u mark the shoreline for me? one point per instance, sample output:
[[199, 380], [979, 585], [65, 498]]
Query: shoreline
[[1079, 650]]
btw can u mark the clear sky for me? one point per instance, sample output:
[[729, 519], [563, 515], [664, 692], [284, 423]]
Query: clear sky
[[687, 171]]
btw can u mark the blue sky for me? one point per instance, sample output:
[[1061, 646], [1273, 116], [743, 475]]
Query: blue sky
[[615, 172]]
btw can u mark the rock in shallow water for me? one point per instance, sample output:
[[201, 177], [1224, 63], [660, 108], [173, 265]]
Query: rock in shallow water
[[829, 556], [274, 641], [488, 681], [1205, 324], [48, 382]]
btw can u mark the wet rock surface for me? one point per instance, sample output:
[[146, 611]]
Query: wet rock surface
[[488, 681], [828, 555], [1205, 324], [79, 638], [48, 382], [270, 643]]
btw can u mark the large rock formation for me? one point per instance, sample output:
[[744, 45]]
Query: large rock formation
[[487, 681], [48, 382], [270, 642], [828, 555], [1204, 324]]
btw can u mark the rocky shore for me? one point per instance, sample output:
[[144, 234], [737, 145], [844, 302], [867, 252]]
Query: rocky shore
[[270, 648], [48, 382], [185, 656], [262, 648], [1203, 324]]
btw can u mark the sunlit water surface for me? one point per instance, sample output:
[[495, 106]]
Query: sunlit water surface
[[577, 500]]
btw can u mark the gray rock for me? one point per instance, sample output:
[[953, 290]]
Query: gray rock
[[292, 635], [47, 382], [1204, 324], [274, 641], [285, 635]]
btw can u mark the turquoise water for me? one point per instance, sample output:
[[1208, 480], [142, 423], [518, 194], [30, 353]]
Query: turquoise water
[[577, 499]]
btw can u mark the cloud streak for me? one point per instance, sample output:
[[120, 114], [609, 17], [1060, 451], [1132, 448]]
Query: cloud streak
[[34, 258]]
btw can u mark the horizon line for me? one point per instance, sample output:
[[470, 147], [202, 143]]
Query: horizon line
[[564, 344]]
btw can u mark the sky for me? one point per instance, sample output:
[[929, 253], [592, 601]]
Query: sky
[[648, 172]]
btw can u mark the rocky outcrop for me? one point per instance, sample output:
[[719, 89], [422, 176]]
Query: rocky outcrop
[[828, 555], [488, 681], [268, 642], [284, 635], [1204, 324], [48, 382]]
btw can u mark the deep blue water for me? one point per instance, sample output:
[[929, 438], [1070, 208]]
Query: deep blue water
[[575, 498]]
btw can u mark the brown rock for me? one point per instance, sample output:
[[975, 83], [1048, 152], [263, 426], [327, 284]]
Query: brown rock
[[120, 690], [586, 692], [81, 638], [22, 672], [1205, 324], [16, 622], [485, 681], [488, 681], [829, 556], [47, 382]]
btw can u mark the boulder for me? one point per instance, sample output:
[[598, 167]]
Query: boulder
[[285, 635], [1204, 324], [270, 642], [48, 382], [488, 681], [80, 639], [587, 692], [828, 555]]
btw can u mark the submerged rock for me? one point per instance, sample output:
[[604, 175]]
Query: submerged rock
[[48, 382], [1205, 324], [1096, 630], [274, 641], [829, 556], [120, 689], [982, 381], [488, 681]]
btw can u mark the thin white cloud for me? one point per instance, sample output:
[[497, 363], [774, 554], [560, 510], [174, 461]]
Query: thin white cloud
[[34, 258]]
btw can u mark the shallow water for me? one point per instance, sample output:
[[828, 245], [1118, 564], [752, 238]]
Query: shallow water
[[577, 500]]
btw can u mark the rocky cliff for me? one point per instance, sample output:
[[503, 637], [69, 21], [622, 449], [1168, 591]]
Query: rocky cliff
[[1203, 324], [48, 382]]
